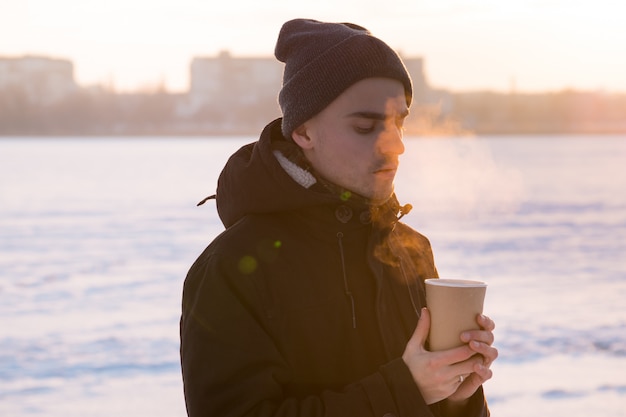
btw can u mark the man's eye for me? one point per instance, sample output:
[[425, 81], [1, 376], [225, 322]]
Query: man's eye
[[365, 129]]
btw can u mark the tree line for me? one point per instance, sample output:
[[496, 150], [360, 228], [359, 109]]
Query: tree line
[[102, 112]]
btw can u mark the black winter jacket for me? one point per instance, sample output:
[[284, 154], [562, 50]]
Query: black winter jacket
[[304, 304]]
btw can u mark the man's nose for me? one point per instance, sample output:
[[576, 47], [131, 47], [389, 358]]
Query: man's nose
[[391, 141]]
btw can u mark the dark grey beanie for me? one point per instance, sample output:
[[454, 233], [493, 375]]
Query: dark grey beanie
[[322, 60]]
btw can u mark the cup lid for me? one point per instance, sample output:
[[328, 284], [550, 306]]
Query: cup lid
[[444, 282]]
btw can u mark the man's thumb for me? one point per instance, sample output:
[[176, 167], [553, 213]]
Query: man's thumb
[[420, 335]]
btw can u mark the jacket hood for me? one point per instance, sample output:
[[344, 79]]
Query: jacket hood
[[254, 182]]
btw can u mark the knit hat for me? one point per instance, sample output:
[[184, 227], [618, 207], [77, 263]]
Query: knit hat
[[322, 60]]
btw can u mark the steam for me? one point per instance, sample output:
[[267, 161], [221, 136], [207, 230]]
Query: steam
[[457, 176]]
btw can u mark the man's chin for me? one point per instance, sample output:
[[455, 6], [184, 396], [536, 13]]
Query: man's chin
[[381, 197]]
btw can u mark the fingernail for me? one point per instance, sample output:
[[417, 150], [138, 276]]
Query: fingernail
[[465, 337], [475, 344]]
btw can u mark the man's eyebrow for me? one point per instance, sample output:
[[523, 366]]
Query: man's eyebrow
[[375, 115]]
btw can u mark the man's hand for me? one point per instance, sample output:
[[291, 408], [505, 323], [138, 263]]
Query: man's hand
[[453, 374], [480, 341]]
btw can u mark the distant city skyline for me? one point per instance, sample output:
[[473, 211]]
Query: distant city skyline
[[500, 45]]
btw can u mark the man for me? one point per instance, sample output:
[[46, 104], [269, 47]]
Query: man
[[311, 302]]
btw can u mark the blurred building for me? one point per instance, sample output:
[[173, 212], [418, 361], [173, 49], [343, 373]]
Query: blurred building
[[243, 81], [42, 80], [230, 82], [415, 67]]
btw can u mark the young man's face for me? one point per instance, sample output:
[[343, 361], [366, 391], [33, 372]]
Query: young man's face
[[355, 141]]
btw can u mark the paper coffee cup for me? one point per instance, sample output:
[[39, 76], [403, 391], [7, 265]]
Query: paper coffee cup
[[453, 305]]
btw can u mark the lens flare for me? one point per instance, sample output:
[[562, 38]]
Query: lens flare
[[247, 265]]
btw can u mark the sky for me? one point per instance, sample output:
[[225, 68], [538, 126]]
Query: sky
[[499, 45]]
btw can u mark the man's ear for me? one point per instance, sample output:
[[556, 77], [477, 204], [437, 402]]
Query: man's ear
[[301, 137]]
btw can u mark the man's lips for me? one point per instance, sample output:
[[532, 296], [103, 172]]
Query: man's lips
[[386, 169]]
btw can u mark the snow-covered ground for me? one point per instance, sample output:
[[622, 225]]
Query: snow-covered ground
[[96, 236]]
